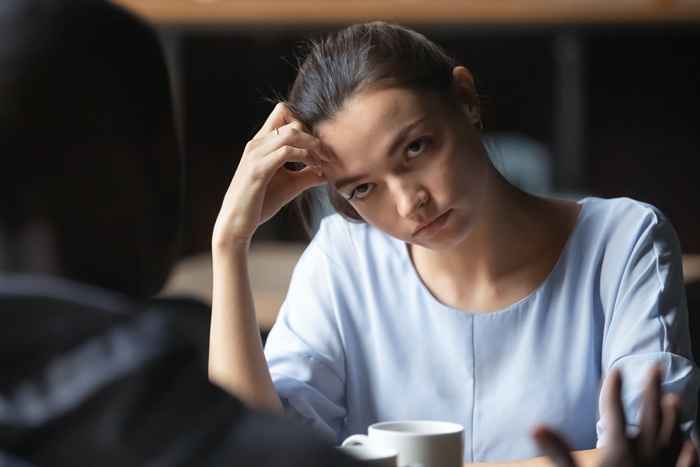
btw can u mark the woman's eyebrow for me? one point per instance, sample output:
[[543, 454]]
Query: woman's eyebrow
[[342, 182], [393, 146], [402, 134]]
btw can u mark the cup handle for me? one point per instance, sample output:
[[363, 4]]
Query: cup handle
[[356, 440]]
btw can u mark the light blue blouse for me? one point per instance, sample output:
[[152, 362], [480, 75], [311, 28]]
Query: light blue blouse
[[360, 339]]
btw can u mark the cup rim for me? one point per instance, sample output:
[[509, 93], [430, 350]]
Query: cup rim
[[446, 428]]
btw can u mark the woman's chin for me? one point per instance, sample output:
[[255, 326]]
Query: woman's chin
[[454, 233]]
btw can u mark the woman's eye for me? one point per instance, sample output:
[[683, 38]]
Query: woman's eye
[[362, 191], [417, 147]]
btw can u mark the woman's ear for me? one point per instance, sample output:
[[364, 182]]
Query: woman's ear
[[463, 77], [466, 92]]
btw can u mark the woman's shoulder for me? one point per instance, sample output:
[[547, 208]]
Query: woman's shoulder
[[619, 206], [615, 229], [619, 217], [612, 238]]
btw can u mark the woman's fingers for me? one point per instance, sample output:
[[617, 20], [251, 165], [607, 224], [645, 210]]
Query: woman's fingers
[[291, 134], [275, 160], [284, 186], [279, 116], [553, 446], [260, 187], [291, 185], [282, 129], [650, 420]]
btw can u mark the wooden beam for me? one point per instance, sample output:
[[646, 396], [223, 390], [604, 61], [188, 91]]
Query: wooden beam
[[309, 12]]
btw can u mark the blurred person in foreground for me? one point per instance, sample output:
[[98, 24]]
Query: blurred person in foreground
[[94, 371]]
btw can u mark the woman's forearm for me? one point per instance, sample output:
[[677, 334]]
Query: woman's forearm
[[236, 359], [587, 458]]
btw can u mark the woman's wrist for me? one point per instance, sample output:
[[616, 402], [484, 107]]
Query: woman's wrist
[[226, 246]]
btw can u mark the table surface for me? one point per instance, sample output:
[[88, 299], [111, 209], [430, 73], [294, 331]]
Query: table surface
[[270, 267], [286, 12]]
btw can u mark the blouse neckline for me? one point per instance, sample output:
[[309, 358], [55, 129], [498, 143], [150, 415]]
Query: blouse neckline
[[408, 262]]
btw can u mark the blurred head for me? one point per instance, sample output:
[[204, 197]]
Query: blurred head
[[88, 141], [402, 122]]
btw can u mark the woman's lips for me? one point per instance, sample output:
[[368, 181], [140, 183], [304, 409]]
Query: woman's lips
[[433, 226]]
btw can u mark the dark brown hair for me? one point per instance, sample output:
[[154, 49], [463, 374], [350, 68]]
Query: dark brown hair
[[357, 58]]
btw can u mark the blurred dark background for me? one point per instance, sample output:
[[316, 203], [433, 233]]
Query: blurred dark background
[[636, 96]]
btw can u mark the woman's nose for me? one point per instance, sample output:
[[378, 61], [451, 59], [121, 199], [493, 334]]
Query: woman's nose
[[408, 199]]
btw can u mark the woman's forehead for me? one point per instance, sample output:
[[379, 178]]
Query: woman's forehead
[[375, 110], [367, 122]]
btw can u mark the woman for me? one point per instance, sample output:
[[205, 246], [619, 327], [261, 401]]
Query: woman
[[440, 291]]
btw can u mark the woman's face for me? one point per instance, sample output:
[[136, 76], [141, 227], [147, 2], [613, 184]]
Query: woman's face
[[408, 165]]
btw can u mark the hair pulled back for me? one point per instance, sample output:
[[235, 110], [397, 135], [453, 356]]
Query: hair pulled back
[[361, 57]]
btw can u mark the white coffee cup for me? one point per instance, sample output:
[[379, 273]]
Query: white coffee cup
[[430, 443], [373, 456]]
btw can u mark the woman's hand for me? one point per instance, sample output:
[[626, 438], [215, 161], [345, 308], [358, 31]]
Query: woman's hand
[[660, 442], [262, 185]]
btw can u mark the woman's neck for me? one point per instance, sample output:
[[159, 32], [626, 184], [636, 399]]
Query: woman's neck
[[514, 245]]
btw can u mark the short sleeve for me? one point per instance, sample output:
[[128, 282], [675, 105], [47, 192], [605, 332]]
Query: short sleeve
[[304, 350], [646, 322]]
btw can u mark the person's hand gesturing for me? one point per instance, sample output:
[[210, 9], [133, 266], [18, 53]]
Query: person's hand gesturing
[[660, 442]]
